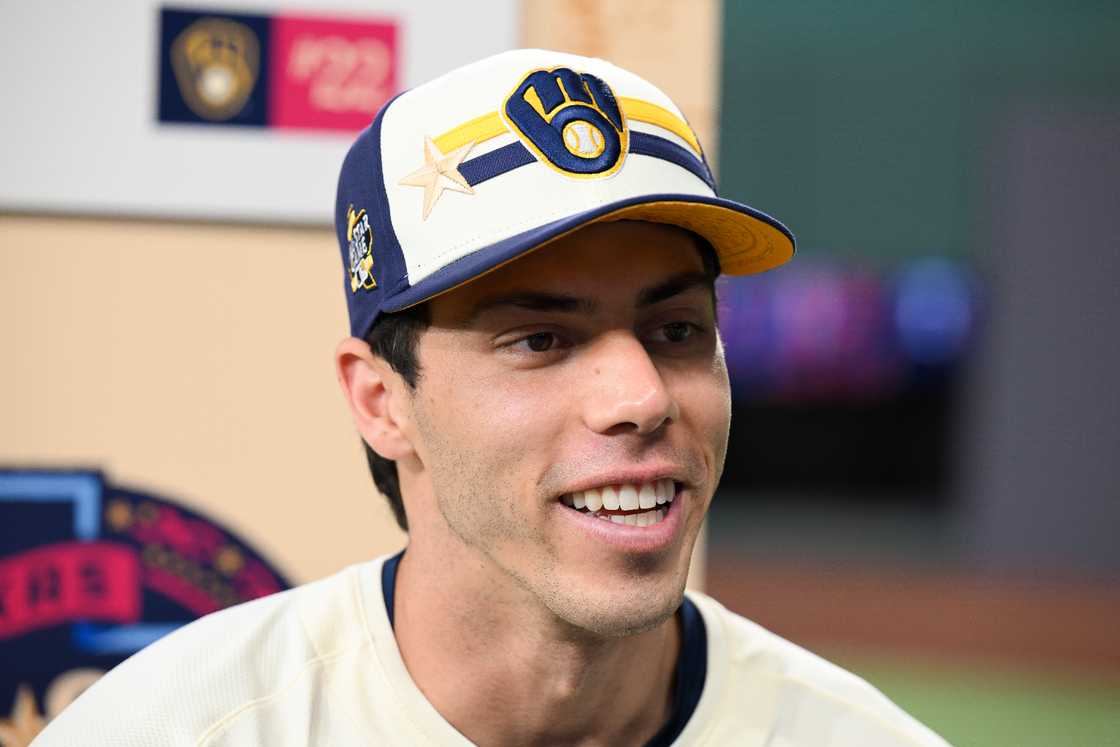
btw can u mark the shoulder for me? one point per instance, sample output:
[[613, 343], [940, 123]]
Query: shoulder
[[185, 686], [767, 683]]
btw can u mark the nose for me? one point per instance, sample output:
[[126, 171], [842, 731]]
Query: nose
[[625, 389]]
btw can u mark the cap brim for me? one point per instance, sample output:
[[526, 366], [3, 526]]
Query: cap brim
[[746, 240]]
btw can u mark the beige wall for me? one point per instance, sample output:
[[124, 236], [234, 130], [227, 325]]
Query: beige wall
[[193, 360]]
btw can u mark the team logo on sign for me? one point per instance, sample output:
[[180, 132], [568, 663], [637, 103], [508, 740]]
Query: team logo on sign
[[216, 64], [360, 238], [570, 121]]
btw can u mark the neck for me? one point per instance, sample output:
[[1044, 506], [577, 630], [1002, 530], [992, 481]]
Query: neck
[[505, 670]]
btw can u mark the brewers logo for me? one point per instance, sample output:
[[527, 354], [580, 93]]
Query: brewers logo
[[360, 237], [570, 121], [216, 64]]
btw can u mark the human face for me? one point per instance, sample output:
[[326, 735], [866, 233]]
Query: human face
[[593, 363]]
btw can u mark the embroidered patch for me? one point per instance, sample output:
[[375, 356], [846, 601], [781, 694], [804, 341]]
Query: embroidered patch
[[360, 238], [216, 63], [570, 121]]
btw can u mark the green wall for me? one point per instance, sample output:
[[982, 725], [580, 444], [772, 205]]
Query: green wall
[[868, 127]]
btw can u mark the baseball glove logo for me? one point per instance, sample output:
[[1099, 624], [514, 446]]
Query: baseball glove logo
[[360, 238], [216, 64], [570, 121]]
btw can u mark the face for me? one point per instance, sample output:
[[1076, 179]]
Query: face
[[572, 416]]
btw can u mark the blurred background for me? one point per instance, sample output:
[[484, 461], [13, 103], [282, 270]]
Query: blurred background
[[921, 482]]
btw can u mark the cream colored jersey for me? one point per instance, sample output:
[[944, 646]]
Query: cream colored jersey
[[319, 665]]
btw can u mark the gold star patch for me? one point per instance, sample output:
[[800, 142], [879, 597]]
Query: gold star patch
[[439, 172], [25, 722]]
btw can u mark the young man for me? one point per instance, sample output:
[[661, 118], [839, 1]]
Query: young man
[[530, 246]]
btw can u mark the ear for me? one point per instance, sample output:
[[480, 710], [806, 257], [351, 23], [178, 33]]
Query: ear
[[377, 398]]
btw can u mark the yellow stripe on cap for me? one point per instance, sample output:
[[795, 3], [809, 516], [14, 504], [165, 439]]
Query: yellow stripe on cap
[[644, 111], [477, 130], [491, 125]]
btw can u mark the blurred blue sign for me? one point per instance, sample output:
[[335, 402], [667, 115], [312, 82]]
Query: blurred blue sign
[[819, 331]]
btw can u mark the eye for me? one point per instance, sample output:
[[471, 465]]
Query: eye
[[535, 346], [540, 342], [678, 331]]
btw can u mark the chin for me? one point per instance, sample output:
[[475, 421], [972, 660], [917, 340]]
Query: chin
[[620, 612]]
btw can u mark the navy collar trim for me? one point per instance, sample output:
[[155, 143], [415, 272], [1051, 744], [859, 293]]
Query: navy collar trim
[[692, 665]]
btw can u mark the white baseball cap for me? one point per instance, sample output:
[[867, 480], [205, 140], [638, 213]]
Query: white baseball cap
[[495, 159]]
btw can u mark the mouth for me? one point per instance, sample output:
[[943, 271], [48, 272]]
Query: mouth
[[635, 504]]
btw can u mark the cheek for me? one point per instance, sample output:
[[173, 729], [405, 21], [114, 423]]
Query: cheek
[[721, 414], [496, 411], [488, 438], [705, 399], [722, 403]]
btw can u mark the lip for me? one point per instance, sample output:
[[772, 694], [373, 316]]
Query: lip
[[643, 540]]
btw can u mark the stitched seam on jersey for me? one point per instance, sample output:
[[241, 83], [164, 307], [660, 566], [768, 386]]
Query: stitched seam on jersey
[[704, 733], [402, 706], [357, 590], [223, 724], [359, 599], [303, 626], [851, 704]]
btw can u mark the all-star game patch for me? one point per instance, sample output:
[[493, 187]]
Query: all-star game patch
[[360, 238], [90, 573]]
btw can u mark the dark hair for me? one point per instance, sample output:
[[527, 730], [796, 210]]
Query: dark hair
[[393, 339]]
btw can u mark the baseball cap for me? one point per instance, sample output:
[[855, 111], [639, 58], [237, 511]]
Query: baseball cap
[[493, 160]]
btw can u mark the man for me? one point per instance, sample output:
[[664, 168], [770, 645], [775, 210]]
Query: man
[[530, 245]]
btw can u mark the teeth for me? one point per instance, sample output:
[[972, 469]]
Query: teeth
[[644, 519], [629, 497]]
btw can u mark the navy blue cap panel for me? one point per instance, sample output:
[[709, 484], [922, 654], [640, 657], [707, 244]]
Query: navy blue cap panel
[[490, 258], [380, 269]]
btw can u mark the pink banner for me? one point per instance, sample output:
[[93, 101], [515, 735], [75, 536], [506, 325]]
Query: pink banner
[[69, 581], [330, 74]]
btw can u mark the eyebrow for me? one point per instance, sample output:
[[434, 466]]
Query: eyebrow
[[674, 286], [567, 304], [531, 301]]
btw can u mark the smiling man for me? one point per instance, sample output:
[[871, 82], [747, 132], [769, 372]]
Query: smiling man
[[530, 246]]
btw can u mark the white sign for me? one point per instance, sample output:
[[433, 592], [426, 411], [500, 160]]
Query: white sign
[[80, 132]]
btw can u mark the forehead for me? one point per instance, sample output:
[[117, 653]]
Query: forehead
[[618, 259]]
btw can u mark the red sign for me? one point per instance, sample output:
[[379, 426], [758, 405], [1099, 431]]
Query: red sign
[[58, 583], [330, 74]]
